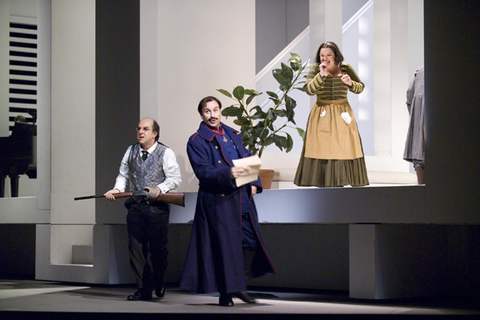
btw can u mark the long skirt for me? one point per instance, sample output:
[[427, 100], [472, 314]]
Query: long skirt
[[332, 154]]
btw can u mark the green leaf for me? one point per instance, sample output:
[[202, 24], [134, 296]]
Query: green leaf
[[290, 105], [252, 92], [280, 142], [295, 61], [270, 126], [232, 111], [242, 121], [258, 114], [259, 124], [249, 99], [279, 112], [280, 77], [295, 57], [295, 65], [289, 143], [239, 92], [271, 116], [275, 101], [225, 92], [287, 72], [268, 141], [263, 133], [257, 109], [301, 133], [272, 94]]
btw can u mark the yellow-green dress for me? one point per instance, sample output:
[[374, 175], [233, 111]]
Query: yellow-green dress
[[332, 154]]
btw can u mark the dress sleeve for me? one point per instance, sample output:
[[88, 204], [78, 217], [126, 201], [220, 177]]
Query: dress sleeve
[[314, 83], [206, 172], [172, 172], [357, 84]]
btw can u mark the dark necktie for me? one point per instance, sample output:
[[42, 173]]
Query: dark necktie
[[144, 155]]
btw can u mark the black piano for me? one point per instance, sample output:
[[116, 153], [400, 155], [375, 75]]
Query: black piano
[[16, 154]]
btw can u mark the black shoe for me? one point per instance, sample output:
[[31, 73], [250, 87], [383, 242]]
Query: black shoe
[[244, 297], [160, 292], [139, 295], [225, 300]]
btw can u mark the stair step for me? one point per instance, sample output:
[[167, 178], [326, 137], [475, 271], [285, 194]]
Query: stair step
[[82, 254]]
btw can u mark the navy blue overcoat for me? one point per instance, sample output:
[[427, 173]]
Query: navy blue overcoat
[[215, 256]]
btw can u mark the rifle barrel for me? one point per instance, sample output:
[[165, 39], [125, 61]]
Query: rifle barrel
[[87, 197], [176, 198]]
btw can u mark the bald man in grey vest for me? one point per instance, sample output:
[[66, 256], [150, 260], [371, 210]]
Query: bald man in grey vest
[[147, 165]]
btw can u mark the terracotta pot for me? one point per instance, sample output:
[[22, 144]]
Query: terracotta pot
[[266, 176]]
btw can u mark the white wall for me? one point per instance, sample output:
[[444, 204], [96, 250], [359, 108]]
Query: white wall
[[202, 46], [73, 125], [73, 110]]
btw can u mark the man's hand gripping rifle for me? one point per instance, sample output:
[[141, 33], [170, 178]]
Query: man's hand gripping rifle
[[176, 198]]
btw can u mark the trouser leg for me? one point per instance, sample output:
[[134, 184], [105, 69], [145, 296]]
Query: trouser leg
[[248, 257], [158, 245], [249, 236], [249, 243], [138, 248]]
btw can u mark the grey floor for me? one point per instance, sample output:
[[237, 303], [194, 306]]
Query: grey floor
[[33, 298]]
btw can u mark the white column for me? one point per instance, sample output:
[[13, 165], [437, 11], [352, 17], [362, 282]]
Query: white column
[[391, 77], [72, 126], [415, 36], [399, 77], [43, 106], [325, 25]]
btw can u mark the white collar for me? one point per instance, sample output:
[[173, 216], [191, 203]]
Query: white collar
[[151, 149]]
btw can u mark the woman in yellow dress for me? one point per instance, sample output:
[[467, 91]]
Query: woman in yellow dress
[[332, 154]]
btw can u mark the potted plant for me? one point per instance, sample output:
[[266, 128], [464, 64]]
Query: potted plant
[[261, 128]]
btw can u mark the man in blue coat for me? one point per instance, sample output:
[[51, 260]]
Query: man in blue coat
[[226, 245]]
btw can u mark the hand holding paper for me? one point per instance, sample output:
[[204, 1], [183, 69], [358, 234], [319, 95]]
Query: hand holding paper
[[252, 166]]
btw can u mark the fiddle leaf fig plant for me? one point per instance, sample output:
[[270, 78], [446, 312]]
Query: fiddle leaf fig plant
[[261, 128]]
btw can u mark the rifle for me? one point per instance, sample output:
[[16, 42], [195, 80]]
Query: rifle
[[176, 198]]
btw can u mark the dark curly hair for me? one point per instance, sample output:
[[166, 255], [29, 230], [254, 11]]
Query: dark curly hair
[[336, 51]]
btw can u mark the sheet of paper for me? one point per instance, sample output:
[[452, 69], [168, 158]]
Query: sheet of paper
[[252, 166]]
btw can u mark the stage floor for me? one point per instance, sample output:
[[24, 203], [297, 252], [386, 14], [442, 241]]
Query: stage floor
[[55, 300]]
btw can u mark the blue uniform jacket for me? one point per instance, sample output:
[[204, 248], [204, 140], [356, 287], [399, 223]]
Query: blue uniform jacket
[[215, 257]]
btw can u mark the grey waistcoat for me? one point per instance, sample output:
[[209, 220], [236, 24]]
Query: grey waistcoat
[[148, 173]]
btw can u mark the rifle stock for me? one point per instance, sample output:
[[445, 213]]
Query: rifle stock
[[176, 198]]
